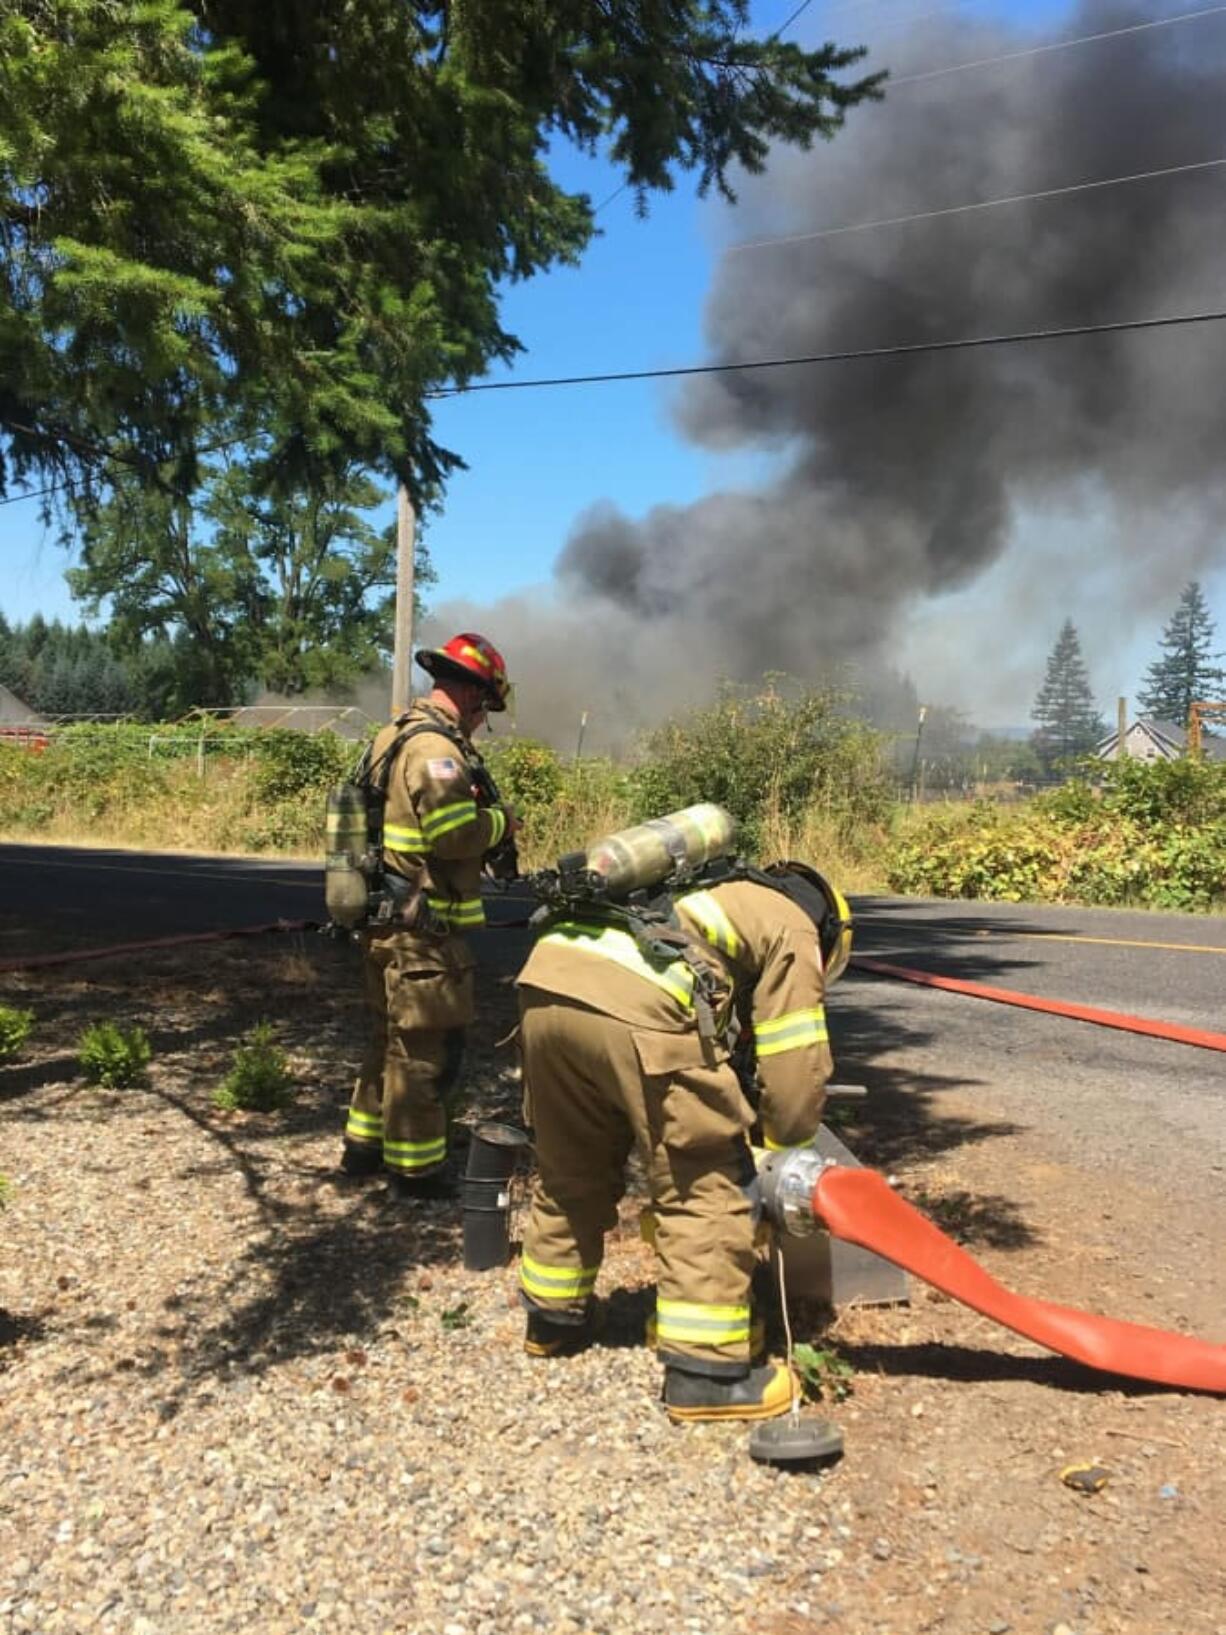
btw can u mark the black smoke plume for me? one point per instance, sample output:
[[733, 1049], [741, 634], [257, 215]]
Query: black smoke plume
[[901, 481]]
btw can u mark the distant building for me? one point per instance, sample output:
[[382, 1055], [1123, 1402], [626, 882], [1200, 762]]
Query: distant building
[[1147, 739], [19, 723], [345, 720]]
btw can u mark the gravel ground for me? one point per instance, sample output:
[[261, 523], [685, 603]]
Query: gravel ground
[[238, 1393]]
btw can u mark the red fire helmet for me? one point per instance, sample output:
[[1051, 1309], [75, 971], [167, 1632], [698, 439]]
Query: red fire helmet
[[469, 657]]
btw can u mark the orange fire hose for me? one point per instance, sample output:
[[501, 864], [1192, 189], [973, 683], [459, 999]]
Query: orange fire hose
[[1202, 1038], [857, 1206]]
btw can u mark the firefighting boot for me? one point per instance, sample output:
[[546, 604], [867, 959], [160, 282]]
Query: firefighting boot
[[358, 1161], [436, 1186], [543, 1338], [761, 1393]]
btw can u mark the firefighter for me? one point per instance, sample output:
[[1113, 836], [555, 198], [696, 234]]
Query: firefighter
[[623, 1050], [418, 970]]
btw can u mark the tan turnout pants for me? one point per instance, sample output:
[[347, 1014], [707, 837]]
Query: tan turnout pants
[[419, 998], [594, 1088]]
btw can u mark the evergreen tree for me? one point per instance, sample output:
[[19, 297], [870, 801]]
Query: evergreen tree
[[1186, 670], [221, 219], [1069, 722]]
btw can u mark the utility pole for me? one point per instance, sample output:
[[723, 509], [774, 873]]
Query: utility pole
[[917, 775], [1121, 729], [402, 648]]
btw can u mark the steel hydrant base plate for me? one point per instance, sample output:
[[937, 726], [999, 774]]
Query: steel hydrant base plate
[[795, 1440]]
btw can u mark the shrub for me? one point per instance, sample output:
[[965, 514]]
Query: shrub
[[763, 753], [259, 1081], [288, 763], [112, 1057], [528, 774], [1152, 834], [15, 1028]]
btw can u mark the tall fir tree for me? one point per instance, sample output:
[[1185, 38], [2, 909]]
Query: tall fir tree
[[1186, 669], [1068, 720]]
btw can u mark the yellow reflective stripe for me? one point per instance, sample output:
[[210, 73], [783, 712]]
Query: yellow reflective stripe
[[400, 837], [461, 911], [498, 822], [414, 1154], [369, 1124], [556, 1282], [444, 819], [605, 941], [784, 1146], [791, 1032], [708, 1325], [714, 924]]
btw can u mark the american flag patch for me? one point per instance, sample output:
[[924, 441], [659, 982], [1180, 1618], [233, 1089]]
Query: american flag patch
[[443, 768]]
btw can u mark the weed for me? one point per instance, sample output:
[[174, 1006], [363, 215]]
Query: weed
[[6, 1188], [456, 1316], [112, 1057], [15, 1028], [259, 1081], [823, 1373]]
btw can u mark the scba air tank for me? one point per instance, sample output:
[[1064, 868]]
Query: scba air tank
[[651, 853], [346, 890]]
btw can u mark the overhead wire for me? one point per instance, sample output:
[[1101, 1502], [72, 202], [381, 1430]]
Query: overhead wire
[[896, 80], [975, 204], [34, 494], [962, 343]]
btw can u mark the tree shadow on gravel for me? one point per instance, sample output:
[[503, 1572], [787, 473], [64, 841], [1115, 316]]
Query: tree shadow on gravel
[[987, 1219], [17, 1325], [963, 1364], [23, 1081], [322, 1286]]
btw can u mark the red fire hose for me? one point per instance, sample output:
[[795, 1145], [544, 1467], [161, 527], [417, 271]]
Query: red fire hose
[[857, 1206]]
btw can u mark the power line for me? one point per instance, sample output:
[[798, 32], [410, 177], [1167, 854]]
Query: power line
[[770, 39], [1054, 45], [914, 349], [36, 494], [978, 204]]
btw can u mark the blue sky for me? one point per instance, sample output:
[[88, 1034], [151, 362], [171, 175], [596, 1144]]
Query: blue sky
[[538, 460]]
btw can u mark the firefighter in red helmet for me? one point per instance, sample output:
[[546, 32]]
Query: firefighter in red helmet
[[440, 826]]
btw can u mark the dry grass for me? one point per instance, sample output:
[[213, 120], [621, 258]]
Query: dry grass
[[817, 838]]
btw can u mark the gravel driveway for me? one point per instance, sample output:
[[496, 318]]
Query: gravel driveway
[[238, 1394]]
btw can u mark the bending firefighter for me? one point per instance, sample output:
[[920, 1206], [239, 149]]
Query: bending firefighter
[[440, 821], [627, 1047]]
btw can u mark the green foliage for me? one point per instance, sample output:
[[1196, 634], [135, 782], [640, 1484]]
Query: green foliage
[[286, 762], [1069, 722], [1185, 671], [259, 1080], [284, 590], [762, 755], [6, 1188], [1153, 834], [824, 1375], [456, 1316], [15, 1029], [528, 773], [225, 221], [112, 1056]]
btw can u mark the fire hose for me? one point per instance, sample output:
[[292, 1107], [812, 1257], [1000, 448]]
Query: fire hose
[[802, 1192]]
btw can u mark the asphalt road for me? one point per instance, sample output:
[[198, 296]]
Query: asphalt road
[[1107, 1094]]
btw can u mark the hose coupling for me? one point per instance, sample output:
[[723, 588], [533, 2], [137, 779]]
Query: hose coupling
[[786, 1181]]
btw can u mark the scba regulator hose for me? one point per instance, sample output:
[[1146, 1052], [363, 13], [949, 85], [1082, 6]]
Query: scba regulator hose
[[858, 1206]]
